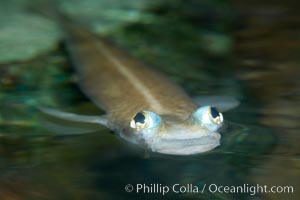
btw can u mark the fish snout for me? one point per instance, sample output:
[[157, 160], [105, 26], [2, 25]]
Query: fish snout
[[182, 141]]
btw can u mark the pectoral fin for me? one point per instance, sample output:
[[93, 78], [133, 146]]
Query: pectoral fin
[[222, 103], [70, 123]]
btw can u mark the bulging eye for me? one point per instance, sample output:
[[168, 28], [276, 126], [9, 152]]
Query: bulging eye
[[139, 121], [208, 117], [216, 116], [144, 119]]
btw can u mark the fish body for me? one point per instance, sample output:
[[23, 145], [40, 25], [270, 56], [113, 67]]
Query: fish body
[[120, 84], [141, 104]]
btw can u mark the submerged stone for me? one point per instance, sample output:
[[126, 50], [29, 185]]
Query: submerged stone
[[23, 36]]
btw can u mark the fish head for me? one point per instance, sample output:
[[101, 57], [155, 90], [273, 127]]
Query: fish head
[[173, 135]]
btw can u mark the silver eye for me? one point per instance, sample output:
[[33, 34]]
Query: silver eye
[[145, 120], [208, 117], [139, 121], [216, 116]]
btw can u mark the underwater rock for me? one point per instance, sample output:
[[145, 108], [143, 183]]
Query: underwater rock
[[105, 15], [23, 36]]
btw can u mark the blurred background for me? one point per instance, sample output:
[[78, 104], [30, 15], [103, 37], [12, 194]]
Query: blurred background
[[248, 50]]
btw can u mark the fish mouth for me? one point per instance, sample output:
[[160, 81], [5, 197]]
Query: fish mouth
[[185, 145]]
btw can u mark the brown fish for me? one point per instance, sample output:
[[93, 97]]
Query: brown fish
[[141, 105]]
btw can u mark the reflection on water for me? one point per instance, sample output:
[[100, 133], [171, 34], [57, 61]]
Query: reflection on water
[[259, 142], [270, 70]]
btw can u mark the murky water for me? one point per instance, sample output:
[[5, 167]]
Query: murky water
[[254, 59]]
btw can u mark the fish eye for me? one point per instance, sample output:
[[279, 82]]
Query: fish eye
[[144, 119], [208, 117], [139, 121], [216, 116], [140, 118]]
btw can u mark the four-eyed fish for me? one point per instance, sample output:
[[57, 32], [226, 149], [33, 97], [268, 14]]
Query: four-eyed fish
[[141, 105]]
